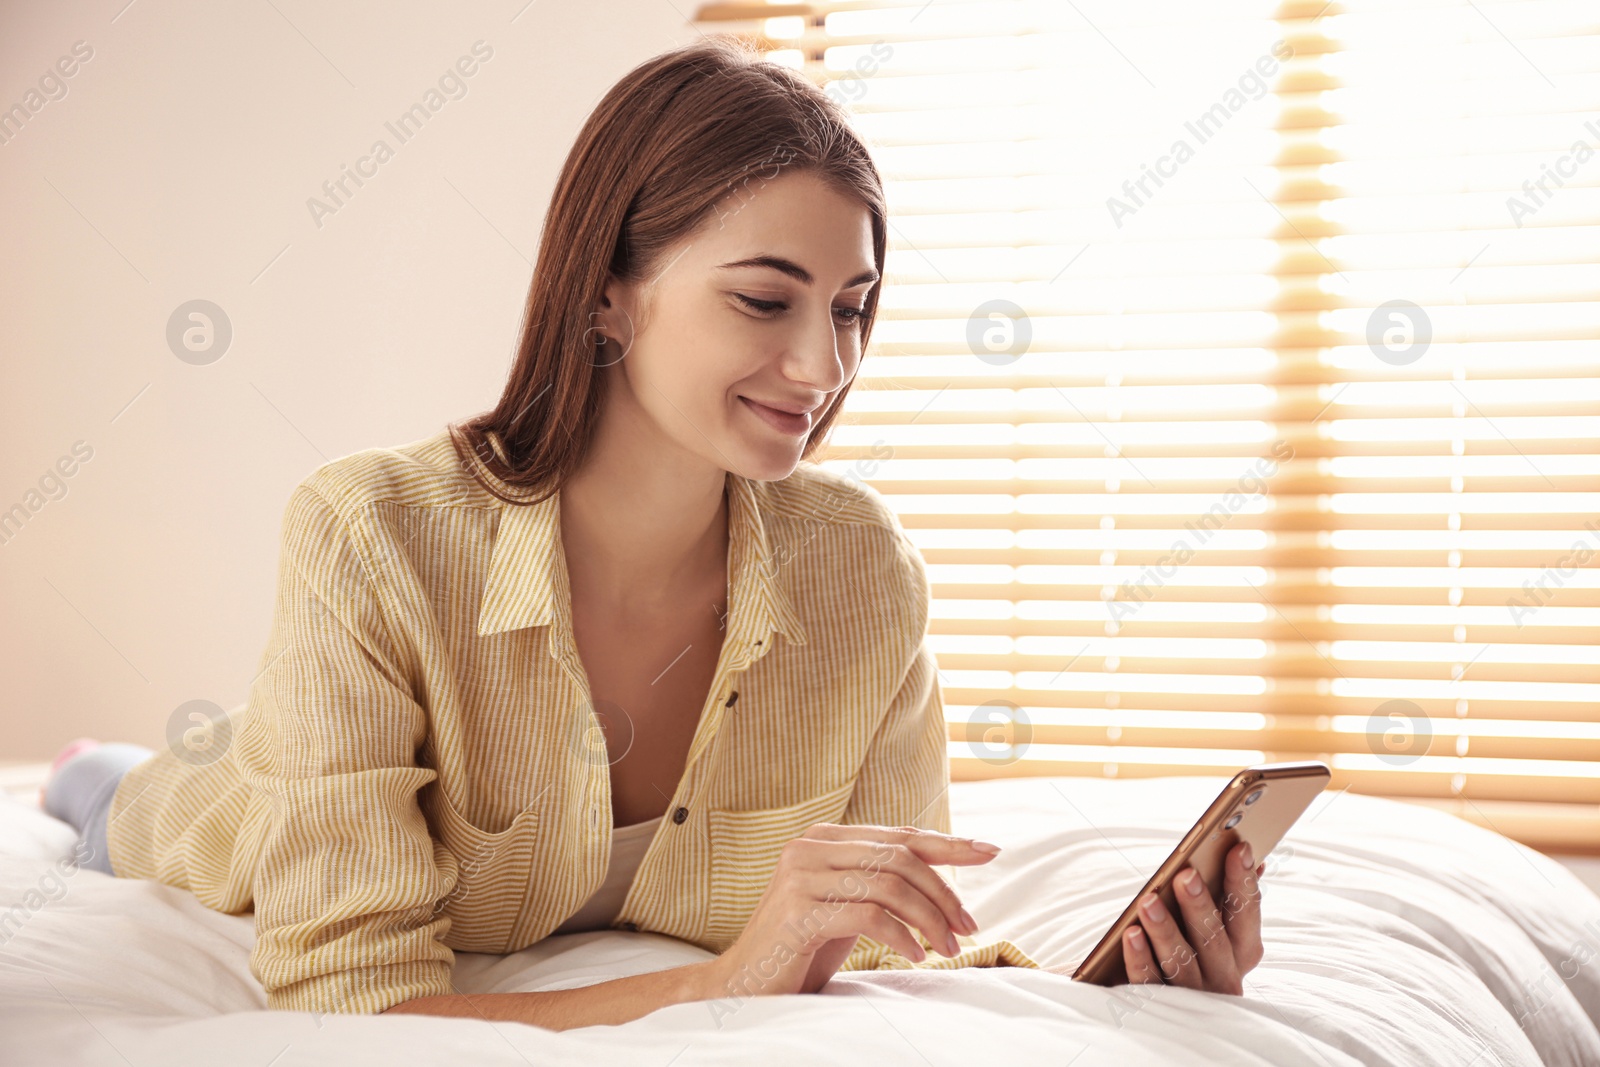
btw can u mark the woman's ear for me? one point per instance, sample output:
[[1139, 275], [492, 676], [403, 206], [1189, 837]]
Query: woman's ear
[[611, 330]]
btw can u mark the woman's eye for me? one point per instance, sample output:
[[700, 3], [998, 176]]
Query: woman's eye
[[852, 315], [763, 306]]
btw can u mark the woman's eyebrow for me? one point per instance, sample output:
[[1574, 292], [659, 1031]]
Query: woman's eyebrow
[[795, 270]]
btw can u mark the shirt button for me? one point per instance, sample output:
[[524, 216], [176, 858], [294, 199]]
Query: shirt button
[[680, 815], [732, 697]]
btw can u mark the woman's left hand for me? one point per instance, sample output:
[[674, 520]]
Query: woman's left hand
[[1207, 947]]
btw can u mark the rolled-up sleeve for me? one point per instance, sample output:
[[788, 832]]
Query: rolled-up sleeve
[[348, 889], [905, 780]]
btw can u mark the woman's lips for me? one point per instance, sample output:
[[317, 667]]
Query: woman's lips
[[781, 421]]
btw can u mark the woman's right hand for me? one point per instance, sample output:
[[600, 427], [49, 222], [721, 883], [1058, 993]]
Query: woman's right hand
[[834, 883]]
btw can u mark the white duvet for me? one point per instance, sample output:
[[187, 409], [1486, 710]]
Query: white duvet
[[1394, 934]]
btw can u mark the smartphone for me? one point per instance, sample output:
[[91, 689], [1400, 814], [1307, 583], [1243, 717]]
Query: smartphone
[[1258, 805]]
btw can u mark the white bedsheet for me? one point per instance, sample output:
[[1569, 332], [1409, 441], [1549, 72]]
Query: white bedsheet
[[1394, 934]]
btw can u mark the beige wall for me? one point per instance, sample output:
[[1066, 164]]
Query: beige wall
[[177, 167]]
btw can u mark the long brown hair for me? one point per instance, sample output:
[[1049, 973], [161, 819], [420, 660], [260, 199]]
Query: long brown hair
[[673, 138]]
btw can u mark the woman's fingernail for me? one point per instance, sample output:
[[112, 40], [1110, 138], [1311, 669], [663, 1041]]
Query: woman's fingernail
[[1245, 855], [1191, 883], [1155, 909], [955, 946], [984, 846], [972, 924], [1136, 936]]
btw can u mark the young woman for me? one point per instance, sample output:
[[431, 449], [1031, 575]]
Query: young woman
[[616, 653]]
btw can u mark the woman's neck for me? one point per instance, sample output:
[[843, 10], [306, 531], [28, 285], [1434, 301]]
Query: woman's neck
[[640, 537]]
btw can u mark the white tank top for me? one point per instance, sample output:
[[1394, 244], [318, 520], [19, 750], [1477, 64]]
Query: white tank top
[[628, 844]]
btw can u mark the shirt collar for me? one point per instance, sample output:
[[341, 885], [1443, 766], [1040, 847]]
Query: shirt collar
[[527, 581]]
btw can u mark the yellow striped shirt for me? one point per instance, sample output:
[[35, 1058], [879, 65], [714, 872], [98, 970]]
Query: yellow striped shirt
[[417, 768]]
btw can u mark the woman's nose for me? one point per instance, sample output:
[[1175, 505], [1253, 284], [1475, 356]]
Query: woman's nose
[[822, 357]]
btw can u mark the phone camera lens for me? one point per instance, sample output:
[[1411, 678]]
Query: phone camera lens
[[1233, 820], [1255, 796]]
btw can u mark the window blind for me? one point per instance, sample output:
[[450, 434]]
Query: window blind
[[1237, 375]]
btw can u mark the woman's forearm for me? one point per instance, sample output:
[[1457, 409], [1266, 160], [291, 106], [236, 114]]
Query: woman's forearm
[[600, 1004]]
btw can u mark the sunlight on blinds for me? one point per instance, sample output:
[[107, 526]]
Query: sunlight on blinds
[[1237, 375]]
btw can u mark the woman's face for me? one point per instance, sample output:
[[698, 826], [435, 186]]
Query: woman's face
[[724, 341]]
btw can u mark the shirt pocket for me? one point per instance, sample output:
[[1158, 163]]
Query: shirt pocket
[[745, 846], [493, 874]]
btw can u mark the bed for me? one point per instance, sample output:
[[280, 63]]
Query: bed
[[1394, 933]]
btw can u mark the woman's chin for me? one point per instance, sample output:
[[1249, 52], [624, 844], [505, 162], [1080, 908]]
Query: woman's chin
[[769, 462]]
